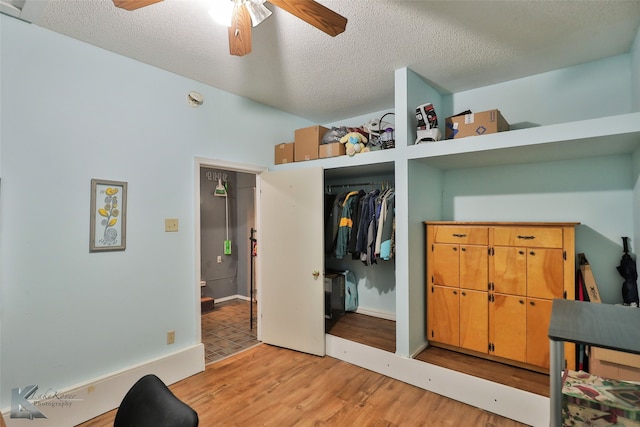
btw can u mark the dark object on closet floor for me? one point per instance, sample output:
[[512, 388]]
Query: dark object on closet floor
[[150, 403], [206, 304]]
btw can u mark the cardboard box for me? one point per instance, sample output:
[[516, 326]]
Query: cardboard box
[[614, 364], [591, 287], [333, 149], [284, 153], [308, 142], [597, 401], [474, 124]]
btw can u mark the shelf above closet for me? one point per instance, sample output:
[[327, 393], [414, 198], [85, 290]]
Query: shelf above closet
[[586, 138], [376, 160]]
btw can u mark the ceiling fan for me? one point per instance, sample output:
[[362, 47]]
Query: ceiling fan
[[309, 11]]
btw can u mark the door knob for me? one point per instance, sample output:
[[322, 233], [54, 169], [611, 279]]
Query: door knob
[[316, 274]]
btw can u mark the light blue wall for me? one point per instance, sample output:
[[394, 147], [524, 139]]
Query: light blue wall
[[635, 72], [597, 192], [72, 112], [595, 89]]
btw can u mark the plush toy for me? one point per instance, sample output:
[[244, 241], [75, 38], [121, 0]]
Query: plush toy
[[354, 143]]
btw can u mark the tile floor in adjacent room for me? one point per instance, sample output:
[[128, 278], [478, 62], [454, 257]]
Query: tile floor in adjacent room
[[226, 329]]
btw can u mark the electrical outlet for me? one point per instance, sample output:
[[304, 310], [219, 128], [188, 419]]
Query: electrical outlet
[[219, 259], [171, 224], [171, 337]]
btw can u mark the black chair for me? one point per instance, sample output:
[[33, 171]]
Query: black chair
[[150, 403]]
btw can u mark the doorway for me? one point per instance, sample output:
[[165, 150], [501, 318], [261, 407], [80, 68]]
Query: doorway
[[225, 219]]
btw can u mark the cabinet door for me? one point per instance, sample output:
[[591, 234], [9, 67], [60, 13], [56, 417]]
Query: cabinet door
[[474, 267], [509, 270], [445, 327], [545, 273], [508, 320], [445, 259], [474, 320], [538, 318]]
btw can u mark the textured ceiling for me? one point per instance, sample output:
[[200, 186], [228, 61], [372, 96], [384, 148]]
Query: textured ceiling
[[455, 45]]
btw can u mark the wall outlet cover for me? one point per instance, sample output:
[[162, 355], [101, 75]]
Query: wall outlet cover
[[171, 224]]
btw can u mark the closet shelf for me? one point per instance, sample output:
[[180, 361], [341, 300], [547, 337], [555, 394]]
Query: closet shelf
[[362, 159], [586, 138], [604, 136]]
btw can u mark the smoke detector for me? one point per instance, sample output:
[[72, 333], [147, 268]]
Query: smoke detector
[[195, 99]]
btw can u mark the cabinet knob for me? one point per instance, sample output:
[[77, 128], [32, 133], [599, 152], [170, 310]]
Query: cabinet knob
[[532, 253], [455, 292], [315, 274], [459, 235], [464, 294], [521, 302], [532, 303], [521, 252]]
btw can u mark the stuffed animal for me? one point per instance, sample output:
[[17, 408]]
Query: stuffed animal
[[354, 143]]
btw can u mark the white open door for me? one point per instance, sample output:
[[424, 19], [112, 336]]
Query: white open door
[[291, 259]]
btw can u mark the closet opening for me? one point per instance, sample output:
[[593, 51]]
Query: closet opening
[[360, 282], [226, 223]]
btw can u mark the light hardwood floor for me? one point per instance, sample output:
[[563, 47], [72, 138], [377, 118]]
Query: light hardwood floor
[[271, 386], [381, 333]]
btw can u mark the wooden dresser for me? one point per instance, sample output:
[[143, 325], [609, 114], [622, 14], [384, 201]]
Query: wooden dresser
[[490, 287]]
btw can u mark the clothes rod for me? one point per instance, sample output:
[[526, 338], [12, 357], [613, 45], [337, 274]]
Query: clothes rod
[[384, 184]]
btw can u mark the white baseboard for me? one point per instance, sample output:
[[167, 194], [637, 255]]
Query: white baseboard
[[376, 313], [229, 298], [519, 405], [86, 401]]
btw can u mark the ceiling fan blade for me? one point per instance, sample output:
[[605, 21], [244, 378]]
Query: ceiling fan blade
[[315, 14], [134, 4], [240, 31]]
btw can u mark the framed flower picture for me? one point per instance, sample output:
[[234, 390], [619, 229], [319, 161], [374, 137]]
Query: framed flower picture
[[108, 216]]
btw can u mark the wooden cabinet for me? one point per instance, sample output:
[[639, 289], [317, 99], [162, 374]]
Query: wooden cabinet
[[459, 286], [490, 287]]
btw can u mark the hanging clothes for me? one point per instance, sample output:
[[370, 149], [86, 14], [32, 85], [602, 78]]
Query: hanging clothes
[[361, 224], [382, 217], [388, 229], [346, 222], [333, 223]]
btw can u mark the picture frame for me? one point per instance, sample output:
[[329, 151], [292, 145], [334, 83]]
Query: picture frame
[[108, 228]]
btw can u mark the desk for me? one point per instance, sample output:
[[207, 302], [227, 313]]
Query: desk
[[603, 325]]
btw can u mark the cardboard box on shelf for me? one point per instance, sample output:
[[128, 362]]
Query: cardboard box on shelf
[[284, 153], [474, 124], [307, 142], [333, 149]]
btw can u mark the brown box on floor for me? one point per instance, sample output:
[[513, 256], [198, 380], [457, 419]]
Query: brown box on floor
[[614, 364], [307, 142], [333, 149], [284, 153], [474, 124]]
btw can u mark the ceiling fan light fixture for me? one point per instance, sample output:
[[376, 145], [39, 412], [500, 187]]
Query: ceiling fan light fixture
[[257, 11], [222, 11]]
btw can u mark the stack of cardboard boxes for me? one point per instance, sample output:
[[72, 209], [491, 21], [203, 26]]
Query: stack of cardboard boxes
[[307, 146], [308, 141]]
